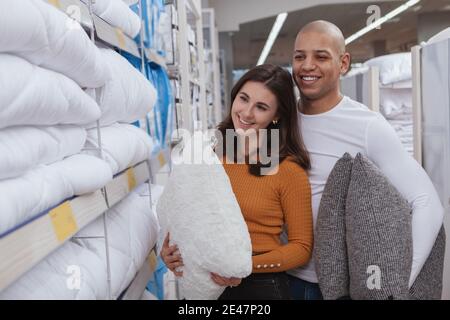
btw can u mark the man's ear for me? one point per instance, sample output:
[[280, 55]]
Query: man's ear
[[346, 61]]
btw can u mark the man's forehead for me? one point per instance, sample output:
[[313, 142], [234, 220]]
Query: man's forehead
[[316, 41]]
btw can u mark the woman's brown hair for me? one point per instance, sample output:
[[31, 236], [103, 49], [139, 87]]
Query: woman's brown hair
[[280, 83]]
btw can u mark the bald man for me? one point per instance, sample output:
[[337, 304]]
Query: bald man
[[332, 124]]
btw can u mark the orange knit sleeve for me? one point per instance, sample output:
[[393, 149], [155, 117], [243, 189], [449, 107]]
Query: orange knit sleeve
[[295, 198]]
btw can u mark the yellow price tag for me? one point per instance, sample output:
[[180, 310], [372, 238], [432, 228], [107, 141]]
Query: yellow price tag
[[152, 261], [131, 179], [121, 38], [161, 159], [63, 221], [55, 3]]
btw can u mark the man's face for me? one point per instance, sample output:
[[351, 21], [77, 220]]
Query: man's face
[[317, 64]]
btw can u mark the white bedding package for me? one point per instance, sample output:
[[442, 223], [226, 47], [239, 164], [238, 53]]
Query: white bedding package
[[128, 96], [31, 95], [24, 147], [124, 145], [200, 211], [118, 14], [70, 273], [393, 67], [45, 36], [47, 185], [440, 36], [133, 230], [395, 102]]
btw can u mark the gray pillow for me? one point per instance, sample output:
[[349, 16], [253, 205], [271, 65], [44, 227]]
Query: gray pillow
[[330, 250], [379, 242], [428, 284]]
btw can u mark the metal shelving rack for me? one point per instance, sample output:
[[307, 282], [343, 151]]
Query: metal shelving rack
[[24, 247]]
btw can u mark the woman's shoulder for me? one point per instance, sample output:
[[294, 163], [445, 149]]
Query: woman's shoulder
[[290, 167]]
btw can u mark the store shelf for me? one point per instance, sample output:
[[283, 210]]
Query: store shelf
[[114, 36], [139, 283], [75, 9], [125, 182], [153, 56], [105, 32], [161, 159], [23, 248]]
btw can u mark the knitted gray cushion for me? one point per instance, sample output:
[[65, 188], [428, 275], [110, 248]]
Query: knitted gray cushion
[[330, 250], [428, 284], [379, 243]]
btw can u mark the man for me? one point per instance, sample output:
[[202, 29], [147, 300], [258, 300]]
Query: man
[[332, 124]]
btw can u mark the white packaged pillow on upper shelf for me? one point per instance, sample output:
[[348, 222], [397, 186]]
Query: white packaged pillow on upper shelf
[[124, 145], [393, 67], [31, 95], [118, 14], [23, 148], [128, 96], [443, 35], [47, 37]]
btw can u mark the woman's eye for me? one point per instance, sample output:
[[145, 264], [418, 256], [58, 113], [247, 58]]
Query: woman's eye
[[261, 108], [243, 98]]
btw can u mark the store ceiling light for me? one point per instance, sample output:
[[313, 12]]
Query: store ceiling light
[[382, 20], [272, 37]]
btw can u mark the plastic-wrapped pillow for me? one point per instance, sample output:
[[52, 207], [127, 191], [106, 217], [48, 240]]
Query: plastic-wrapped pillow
[[330, 249], [200, 211], [393, 67], [443, 35]]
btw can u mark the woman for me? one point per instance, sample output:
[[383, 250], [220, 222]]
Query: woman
[[264, 99]]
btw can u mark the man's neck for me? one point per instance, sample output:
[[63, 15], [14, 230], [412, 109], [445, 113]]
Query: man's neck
[[318, 106]]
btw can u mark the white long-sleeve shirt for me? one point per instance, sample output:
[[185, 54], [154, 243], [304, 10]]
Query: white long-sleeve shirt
[[351, 127]]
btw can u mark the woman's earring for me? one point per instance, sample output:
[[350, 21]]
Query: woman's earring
[[275, 122]]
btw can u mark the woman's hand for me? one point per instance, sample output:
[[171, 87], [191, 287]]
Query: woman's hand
[[171, 257], [226, 282]]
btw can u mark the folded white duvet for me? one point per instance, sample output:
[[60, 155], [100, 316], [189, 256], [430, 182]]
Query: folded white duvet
[[118, 14], [132, 228], [128, 96], [124, 145], [45, 36], [22, 148], [31, 95], [70, 273], [395, 102], [47, 185], [200, 211]]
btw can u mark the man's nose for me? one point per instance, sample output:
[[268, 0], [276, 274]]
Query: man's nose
[[308, 64]]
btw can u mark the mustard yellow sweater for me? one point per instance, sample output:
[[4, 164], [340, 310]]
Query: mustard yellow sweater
[[267, 203]]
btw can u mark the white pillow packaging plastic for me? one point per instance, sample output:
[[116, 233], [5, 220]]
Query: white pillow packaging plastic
[[393, 67], [200, 211]]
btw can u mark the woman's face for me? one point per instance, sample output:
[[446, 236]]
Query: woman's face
[[254, 107]]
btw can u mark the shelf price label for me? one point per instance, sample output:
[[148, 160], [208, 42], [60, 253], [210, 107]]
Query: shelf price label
[[120, 38], [161, 159], [63, 221], [131, 179]]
